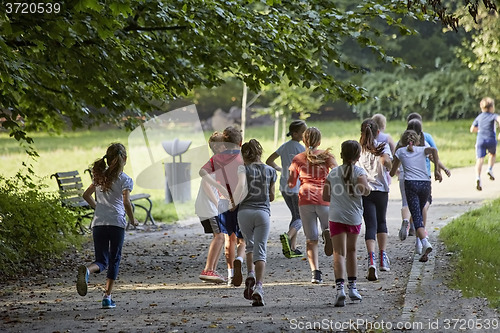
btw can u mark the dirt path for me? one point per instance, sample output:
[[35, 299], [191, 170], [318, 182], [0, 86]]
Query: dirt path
[[158, 289]]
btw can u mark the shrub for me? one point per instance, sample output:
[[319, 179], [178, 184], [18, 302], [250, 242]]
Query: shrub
[[34, 227]]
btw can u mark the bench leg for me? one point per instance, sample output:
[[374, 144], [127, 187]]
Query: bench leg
[[149, 216]]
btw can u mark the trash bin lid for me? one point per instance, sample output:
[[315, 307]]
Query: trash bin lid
[[176, 147]]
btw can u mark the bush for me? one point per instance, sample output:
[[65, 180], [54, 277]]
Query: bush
[[34, 227]]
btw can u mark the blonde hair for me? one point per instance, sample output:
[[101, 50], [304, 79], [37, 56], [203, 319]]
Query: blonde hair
[[380, 120], [312, 139], [487, 104], [216, 141]]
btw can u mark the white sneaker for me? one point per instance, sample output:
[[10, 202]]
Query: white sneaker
[[418, 246], [372, 268], [385, 263], [258, 296], [426, 249], [340, 298], [405, 228], [354, 294]]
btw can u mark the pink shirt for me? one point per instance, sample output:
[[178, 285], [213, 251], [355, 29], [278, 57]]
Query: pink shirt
[[225, 166], [312, 178]]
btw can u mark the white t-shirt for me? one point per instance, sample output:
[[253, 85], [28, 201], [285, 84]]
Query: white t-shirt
[[287, 152], [204, 208], [376, 173], [109, 210], [344, 208], [413, 163]]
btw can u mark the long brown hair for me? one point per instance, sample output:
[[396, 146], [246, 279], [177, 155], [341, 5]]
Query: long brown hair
[[349, 152], [410, 138], [107, 169], [312, 139], [369, 131]]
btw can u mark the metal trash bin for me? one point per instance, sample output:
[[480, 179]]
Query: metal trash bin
[[177, 174]]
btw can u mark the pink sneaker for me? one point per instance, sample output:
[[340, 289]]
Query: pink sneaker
[[212, 276]]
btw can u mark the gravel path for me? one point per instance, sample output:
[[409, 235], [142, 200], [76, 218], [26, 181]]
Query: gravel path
[[158, 289]]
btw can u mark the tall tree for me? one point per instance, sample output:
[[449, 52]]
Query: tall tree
[[100, 60]]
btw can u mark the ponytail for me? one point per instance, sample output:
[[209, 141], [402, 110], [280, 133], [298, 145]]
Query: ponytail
[[369, 131]]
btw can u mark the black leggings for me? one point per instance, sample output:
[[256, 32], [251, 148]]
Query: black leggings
[[374, 213]]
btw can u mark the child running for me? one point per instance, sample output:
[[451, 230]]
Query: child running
[[416, 180], [376, 160], [287, 152], [206, 207], [311, 168], [484, 126], [255, 189], [225, 167], [112, 188], [344, 187]]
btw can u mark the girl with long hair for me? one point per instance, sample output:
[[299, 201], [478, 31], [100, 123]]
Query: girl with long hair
[[112, 188], [311, 167]]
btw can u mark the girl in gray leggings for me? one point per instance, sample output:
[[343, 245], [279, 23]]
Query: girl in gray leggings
[[255, 191]]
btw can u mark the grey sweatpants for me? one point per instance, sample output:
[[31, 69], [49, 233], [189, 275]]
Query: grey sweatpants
[[254, 225]]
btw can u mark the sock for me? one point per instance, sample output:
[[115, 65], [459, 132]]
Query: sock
[[351, 282], [258, 283], [240, 259], [230, 272], [339, 283], [371, 257]]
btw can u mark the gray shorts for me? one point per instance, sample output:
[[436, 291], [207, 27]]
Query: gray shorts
[[211, 225], [310, 214]]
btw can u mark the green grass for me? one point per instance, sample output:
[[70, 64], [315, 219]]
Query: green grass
[[474, 240], [77, 150]]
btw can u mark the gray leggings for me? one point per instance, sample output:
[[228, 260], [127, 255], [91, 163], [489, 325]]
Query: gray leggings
[[310, 215], [254, 225]]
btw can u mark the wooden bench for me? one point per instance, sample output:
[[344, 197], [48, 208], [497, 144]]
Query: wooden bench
[[71, 192]]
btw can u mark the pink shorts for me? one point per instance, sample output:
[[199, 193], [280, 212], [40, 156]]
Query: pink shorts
[[337, 228]]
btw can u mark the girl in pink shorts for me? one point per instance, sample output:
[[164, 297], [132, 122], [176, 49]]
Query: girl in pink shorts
[[344, 187]]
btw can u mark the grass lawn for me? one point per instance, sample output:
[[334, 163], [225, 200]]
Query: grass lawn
[[474, 240]]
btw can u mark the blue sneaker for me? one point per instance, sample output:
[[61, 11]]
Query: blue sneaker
[[108, 303], [82, 280]]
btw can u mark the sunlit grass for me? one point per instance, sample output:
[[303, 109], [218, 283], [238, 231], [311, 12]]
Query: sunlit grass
[[473, 238]]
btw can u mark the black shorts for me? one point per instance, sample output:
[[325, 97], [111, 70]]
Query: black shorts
[[211, 225]]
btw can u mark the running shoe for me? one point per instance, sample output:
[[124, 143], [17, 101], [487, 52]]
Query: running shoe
[[418, 246], [211, 276], [405, 229], [82, 280], [328, 242], [249, 286], [340, 298], [108, 303], [238, 277], [411, 232], [296, 254], [490, 173], [385, 263], [316, 277], [353, 293], [285, 243], [426, 249], [372, 268], [478, 185], [258, 296]]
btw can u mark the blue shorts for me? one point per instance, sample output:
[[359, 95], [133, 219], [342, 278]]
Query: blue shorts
[[229, 223], [483, 145]]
